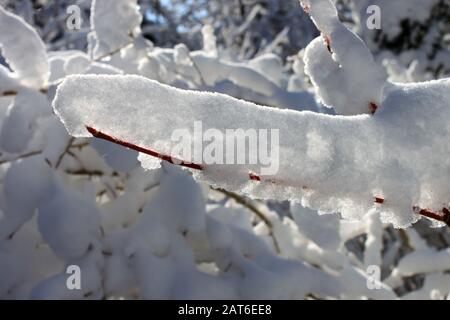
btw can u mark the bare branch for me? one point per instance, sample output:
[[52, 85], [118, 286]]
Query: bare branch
[[246, 203]]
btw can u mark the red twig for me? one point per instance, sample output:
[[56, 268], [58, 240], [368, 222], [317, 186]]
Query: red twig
[[379, 200], [327, 41], [150, 152], [254, 176], [372, 107], [428, 213], [444, 217]]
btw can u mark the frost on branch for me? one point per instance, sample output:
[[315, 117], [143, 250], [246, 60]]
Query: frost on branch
[[340, 65], [399, 154], [20, 39]]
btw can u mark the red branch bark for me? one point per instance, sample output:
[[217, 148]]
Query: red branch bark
[[327, 41], [444, 216], [150, 152], [372, 107]]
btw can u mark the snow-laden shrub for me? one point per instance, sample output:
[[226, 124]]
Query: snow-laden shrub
[[168, 232], [412, 37]]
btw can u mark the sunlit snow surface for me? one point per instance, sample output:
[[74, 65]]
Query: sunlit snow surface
[[331, 163]]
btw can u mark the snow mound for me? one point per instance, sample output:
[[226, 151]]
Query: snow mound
[[340, 65], [31, 69], [126, 18]]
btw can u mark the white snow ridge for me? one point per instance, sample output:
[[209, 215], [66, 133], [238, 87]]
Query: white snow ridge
[[398, 154]]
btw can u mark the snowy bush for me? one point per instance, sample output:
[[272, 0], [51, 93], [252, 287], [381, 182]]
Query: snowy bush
[[356, 208]]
